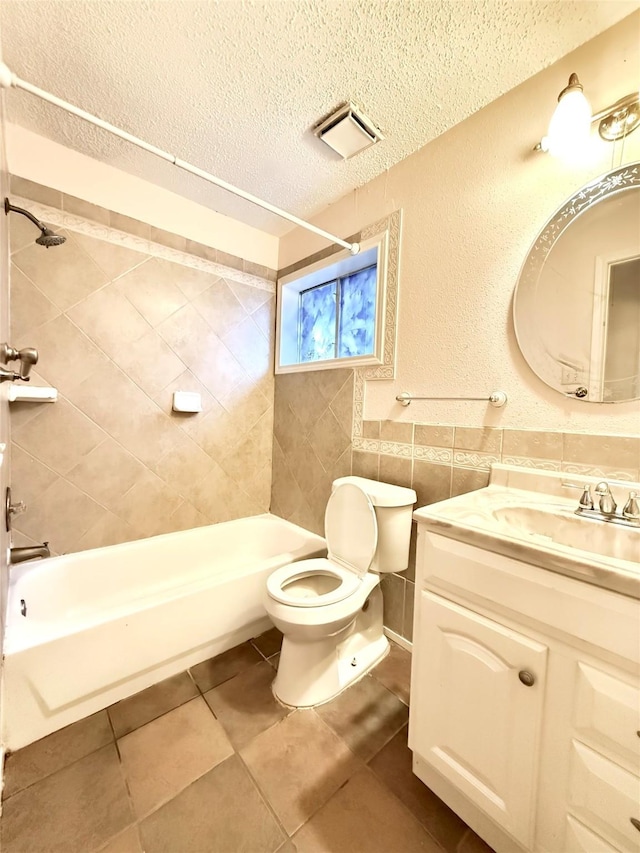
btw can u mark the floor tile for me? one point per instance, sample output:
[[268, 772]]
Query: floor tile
[[167, 754], [55, 751], [75, 810], [245, 705], [274, 660], [366, 716], [298, 764], [364, 817], [222, 812], [268, 643], [126, 842], [393, 766], [131, 713], [214, 671], [395, 672]]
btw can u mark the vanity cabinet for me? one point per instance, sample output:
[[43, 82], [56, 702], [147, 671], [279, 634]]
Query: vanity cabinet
[[525, 702]]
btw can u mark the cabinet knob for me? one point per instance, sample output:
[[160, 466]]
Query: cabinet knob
[[635, 822], [527, 678]]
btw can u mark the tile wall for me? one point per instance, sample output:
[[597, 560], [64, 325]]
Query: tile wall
[[118, 330], [438, 461]]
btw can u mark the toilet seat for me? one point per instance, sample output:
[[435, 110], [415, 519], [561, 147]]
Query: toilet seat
[[301, 594], [351, 531]]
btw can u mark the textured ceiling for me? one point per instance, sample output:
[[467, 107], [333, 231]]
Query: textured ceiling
[[234, 86]]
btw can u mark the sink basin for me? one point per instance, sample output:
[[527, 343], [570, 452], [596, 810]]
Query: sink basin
[[529, 516], [572, 531]]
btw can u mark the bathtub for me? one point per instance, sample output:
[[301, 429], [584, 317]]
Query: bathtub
[[101, 625]]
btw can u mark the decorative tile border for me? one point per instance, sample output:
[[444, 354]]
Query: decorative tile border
[[526, 462], [437, 455], [474, 459], [71, 222], [592, 471]]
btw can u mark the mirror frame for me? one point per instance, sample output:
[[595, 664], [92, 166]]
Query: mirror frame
[[611, 183]]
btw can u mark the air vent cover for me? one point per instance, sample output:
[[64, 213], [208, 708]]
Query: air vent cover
[[348, 131]]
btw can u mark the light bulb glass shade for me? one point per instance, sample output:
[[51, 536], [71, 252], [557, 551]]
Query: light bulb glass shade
[[570, 125]]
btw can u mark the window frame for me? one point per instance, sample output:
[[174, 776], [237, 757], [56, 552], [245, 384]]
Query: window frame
[[337, 265]]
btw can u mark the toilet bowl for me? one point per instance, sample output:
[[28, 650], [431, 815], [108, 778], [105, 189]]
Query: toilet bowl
[[329, 610]]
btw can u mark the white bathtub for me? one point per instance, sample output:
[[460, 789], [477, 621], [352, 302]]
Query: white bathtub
[[101, 625]]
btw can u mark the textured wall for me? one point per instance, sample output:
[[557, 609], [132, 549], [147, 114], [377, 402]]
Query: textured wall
[[118, 331], [473, 201]]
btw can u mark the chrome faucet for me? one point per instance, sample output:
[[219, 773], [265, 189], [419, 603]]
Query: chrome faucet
[[607, 507], [29, 552], [607, 504]]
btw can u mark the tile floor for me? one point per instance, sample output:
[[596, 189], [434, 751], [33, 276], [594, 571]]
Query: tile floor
[[209, 762]]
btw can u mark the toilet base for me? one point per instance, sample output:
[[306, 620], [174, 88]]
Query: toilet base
[[312, 673]]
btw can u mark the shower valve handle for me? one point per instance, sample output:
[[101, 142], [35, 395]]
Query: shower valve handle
[[28, 356]]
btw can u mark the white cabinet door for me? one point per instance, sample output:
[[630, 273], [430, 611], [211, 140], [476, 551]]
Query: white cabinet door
[[475, 718]]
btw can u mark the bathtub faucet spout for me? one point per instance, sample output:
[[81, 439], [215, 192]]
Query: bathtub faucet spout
[[30, 552]]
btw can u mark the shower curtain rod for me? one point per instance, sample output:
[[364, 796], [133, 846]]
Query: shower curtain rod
[[8, 80]]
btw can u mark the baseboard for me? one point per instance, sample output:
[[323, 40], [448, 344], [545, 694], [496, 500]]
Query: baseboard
[[401, 641]]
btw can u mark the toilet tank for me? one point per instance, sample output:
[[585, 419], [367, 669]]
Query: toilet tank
[[393, 506]]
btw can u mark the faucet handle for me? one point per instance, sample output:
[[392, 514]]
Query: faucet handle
[[631, 509], [607, 504], [586, 500]]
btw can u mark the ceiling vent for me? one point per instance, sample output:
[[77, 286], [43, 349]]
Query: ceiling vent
[[348, 131]]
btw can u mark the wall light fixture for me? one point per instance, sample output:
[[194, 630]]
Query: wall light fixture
[[570, 124]]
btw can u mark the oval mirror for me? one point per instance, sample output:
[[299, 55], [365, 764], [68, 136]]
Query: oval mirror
[[577, 301]]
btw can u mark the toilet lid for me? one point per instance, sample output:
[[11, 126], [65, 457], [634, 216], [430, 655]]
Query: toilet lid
[[350, 528]]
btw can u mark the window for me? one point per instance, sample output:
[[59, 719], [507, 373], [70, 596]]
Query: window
[[332, 313]]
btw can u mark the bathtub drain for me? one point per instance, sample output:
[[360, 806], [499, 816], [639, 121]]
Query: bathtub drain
[[23, 607]]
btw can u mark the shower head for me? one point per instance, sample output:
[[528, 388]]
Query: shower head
[[47, 238]]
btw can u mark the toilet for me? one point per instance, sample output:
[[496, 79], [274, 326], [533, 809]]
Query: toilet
[[329, 610]]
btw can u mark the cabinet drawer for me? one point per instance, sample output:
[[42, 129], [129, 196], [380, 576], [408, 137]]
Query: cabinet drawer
[[580, 839], [604, 797], [607, 714]]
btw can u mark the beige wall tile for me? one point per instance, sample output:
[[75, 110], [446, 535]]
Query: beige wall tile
[[532, 444], [107, 472], [150, 362], [29, 477], [112, 259], [431, 482], [184, 466], [29, 307], [395, 470], [65, 275], [67, 355], [191, 281], [366, 464], [79, 207], [250, 348], [433, 435], [407, 625], [219, 307], [22, 233], [109, 320], [610, 451], [166, 238], [468, 480], [486, 440], [131, 226], [396, 431], [61, 515], [108, 530], [60, 436], [329, 439], [251, 298], [228, 260], [342, 406], [371, 429], [187, 517], [152, 289], [265, 318], [35, 192], [328, 382], [148, 505], [393, 589]]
